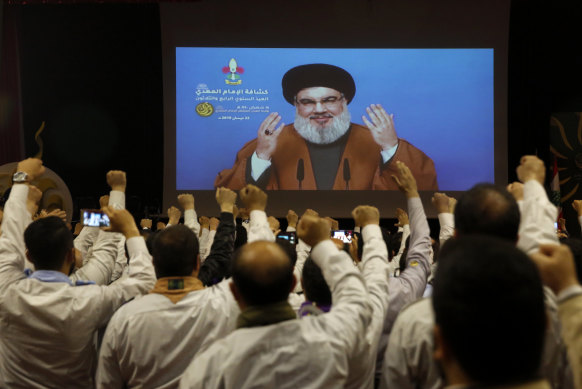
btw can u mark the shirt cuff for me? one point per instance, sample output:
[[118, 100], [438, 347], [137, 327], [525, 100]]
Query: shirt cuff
[[20, 192], [569, 292], [117, 199], [258, 166], [388, 154], [135, 245], [371, 231], [290, 229], [446, 219], [259, 217], [533, 189]]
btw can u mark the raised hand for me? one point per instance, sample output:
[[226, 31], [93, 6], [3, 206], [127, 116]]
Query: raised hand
[[174, 215], [274, 224], [214, 223], [204, 222], [531, 168], [253, 198], [312, 230], [103, 201], [402, 217], [577, 205], [441, 202], [160, 226], [186, 201], [292, 218], [120, 220], [556, 266], [267, 136], [381, 126], [32, 167], [516, 190], [116, 180], [366, 214], [225, 199], [334, 224], [146, 223], [405, 180]]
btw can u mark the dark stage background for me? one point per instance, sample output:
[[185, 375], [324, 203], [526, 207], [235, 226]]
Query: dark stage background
[[93, 73]]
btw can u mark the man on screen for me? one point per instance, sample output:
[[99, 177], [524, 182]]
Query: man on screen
[[323, 149]]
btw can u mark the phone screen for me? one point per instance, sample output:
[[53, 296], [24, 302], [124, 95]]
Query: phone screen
[[94, 218], [288, 237], [344, 235]]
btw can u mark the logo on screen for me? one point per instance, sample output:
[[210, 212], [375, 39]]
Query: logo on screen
[[204, 109], [233, 72]]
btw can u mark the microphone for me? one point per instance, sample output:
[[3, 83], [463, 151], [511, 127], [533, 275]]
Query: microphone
[[300, 171], [347, 174]]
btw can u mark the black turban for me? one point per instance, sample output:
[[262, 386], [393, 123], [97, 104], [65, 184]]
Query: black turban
[[317, 75]]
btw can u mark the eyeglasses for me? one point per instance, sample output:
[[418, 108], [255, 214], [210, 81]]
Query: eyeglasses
[[328, 102]]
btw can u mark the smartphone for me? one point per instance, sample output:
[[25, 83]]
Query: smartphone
[[343, 235], [94, 218], [290, 237]]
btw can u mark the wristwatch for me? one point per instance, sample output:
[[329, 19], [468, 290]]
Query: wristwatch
[[19, 177]]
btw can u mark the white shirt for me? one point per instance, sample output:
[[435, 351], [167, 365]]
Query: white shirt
[[538, 216], [308, 353], [48, 327], [150, 341]]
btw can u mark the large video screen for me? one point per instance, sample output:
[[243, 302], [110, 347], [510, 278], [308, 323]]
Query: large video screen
[[436, 105], [316, 102]]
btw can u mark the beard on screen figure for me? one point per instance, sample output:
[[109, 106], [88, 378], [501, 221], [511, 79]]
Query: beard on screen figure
[[322, 149]]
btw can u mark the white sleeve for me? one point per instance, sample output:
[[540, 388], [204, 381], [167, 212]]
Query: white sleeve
[[117, 199], [302, 250], [86, 239], [108, 368], [258, 166], [101, 261], [191, 221], [388, 154], [206, 245], [351, 313], [447, 223], [259, 228], [12, 247], [538, 215], [376, 273], [405, 234]]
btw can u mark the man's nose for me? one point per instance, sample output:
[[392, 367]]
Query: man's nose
[[320, 107]]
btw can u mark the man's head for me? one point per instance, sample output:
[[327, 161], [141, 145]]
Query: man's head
[[489, 306], [487, 209], [314, 285], [175, 252], [49, 245], [320, 94], [262, 274]]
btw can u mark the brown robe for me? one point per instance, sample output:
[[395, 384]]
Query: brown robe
[[361, 150]]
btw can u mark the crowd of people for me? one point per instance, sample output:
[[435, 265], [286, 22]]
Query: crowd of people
[[220, 302]]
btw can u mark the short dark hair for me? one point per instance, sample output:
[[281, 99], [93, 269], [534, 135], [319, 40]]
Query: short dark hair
[[487, 209], [393, 244], [268, 285], [488, 301], [314, 285], [175, 252], [48, 240]]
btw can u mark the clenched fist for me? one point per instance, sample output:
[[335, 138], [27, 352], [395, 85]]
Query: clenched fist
[[253, 198], [366, 214]]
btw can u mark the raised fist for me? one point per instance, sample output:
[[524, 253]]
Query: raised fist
[[274, 224], [292, 218], [146, 223], [32, 167], [366, 214], [531, 168], [225, 199], [120, 220], [441, 202], [116, 180], [186, 201], [253, 198], [312, 230], [104, 201], [204, 222], [405, 180], [174, 215], [214, 223], [402, 217]]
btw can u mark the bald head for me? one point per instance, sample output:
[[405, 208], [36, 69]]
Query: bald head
[[262, 273], [489, 210]]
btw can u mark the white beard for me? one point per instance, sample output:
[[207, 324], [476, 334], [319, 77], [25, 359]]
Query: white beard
[[323, 135]]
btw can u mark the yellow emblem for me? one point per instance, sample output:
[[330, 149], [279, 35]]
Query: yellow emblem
[[204, 109], [413, 263]]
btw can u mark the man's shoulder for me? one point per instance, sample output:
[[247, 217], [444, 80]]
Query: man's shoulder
[[419, 311]]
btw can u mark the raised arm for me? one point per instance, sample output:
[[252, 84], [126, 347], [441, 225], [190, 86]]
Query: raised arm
[[186, 201], [18, 211], [538, 214], [255, 200], [217, 264], [351, 312], [445, 206]]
